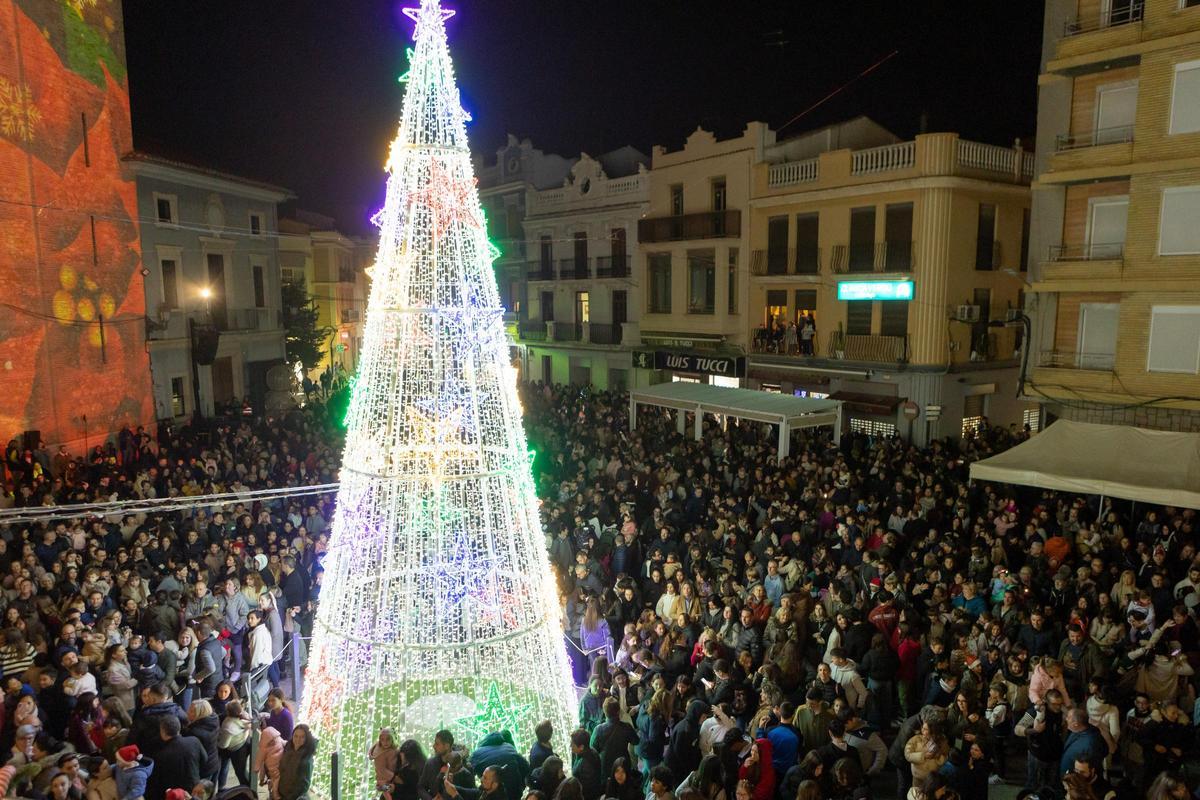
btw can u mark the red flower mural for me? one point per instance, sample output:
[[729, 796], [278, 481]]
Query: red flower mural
[[72, 302]]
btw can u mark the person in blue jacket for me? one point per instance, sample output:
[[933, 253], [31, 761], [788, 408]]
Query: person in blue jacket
[[497, 750]]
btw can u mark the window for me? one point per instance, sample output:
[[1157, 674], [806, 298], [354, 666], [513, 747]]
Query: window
[[178, 399], [1096, 346], [260, 289], [972, 414], [873, 427], [898, 227], [256, 224], [547, 256], [733, 280], [858, 317], [1174, 339], [166, 209], [581, 254], [1189, 4], [1025, 240], [777, 245], [547, 306], [985, 238], [702, 283], [1185, 97], [718, 194], [1030, 418], [1107, 217], [893, 317], [659, 269], [1116, 108], [808, 253], [862, 239], [1178, 232], [583, 308], [170, 282], [291, 276], [677, 200], [777, 306]]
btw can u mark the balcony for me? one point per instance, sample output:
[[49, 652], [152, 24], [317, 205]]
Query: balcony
[[894, 256], [901, 155], [576, 269], [540, 271], [1084, 264], [566, 331], [173, 323], [1088, 252], [704, 225], [1091, 362], [1101, 136], [1104, 20], [532, 330], [612, 266], [804, 260], [600, 333]]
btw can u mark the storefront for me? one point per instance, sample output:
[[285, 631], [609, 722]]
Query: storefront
[[719, 369]]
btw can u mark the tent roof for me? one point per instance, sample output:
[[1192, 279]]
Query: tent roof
[[1113, 460], [799, 412]]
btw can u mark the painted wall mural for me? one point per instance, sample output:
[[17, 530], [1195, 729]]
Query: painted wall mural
[[73, 361]]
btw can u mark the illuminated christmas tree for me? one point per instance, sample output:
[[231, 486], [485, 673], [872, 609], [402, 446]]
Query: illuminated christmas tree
[[438, 608]]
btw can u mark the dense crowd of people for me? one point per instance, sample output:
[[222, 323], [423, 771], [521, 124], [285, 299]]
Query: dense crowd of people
[[859, 620]]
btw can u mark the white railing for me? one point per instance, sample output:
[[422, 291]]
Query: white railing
[[793, 172], [625, 185], [986, 156], [881, 159], [1027, 166]]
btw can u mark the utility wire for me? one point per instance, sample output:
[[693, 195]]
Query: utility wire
[[841, 88]]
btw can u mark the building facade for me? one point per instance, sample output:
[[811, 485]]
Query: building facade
[[332, 269], [209, 244], [692, 265], [1116, 233], [503, 184], [73, 338], [889, 274], [580, 291]]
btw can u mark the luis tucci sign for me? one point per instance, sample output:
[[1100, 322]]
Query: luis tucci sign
[[701, 363]]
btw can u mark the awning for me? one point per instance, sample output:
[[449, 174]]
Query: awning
[[1112, 460], [868, 403]]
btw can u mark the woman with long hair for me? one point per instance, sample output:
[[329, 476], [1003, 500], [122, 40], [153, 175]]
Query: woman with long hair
[[118, 675], [296, 765], [85, 728], [652, 722], [759, 771], [624, 783], [410, 762], [233, 743], [548, 776], [594, 634]]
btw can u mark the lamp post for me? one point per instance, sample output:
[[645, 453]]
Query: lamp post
[[1025, 322]]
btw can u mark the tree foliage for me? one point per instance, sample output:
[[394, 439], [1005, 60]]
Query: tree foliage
[[305, 339]]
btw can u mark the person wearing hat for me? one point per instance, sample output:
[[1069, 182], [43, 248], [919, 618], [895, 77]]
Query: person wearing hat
[[132, 773]]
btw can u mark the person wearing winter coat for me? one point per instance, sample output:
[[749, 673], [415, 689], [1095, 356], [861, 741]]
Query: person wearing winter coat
[[759, 771], [233, 744], [156, 705], [296, 765], [683, 755], [204, 725], [267, 759], [926, 752], [497, 750], [119, 681], [132, 772], [383, 758], [613, 738]]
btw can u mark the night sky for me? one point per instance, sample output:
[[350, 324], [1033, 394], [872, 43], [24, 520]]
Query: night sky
[[304, 93]]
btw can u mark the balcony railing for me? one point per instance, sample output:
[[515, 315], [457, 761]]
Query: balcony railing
[[987, 255], [893, 256], [601, 333], [1106, 19], [573, 269], [568, 332], [705, 225], [1059, 359], [804, 260], [612, 266], [1078, 141], [532, 330], [882, 159], [1087, 252], [792, 172], [541, 272]]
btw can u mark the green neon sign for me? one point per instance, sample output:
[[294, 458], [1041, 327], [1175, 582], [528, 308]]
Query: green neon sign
[[875, 290]]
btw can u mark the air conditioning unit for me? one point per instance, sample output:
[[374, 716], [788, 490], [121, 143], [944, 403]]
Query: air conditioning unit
[[1012, 315], [350, 315], [967, 313]]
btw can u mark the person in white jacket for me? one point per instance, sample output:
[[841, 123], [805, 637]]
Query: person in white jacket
[[260, 657], [845, 672]]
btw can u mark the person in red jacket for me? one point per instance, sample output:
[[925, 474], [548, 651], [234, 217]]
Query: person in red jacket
[[908, 650], [884, 616], [758, 770]]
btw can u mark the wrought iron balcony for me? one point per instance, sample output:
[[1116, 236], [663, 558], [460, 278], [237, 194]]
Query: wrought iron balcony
[[1095, 251], [890, 256], [573, 269], [805, 260], [1077, 141], [541, 272], [601, 333], [612, 266], [1110, 18], [704, 225]]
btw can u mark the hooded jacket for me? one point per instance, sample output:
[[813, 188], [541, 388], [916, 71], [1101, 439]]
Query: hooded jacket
[[206, 730], [266, 758], [684, 753], [496, 749], [764, 787], [131, 781]]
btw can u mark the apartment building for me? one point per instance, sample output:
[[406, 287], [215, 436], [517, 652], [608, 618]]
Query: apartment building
[[692, 265], [1116, 233], [332, 268], [906, 260], [519, 168], [211, 266], [579, 328]]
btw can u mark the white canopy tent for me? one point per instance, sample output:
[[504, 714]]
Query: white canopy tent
[[1109, 460], [788, 412]]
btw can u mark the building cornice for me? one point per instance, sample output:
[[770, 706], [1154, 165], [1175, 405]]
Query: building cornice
[[903, 185]]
